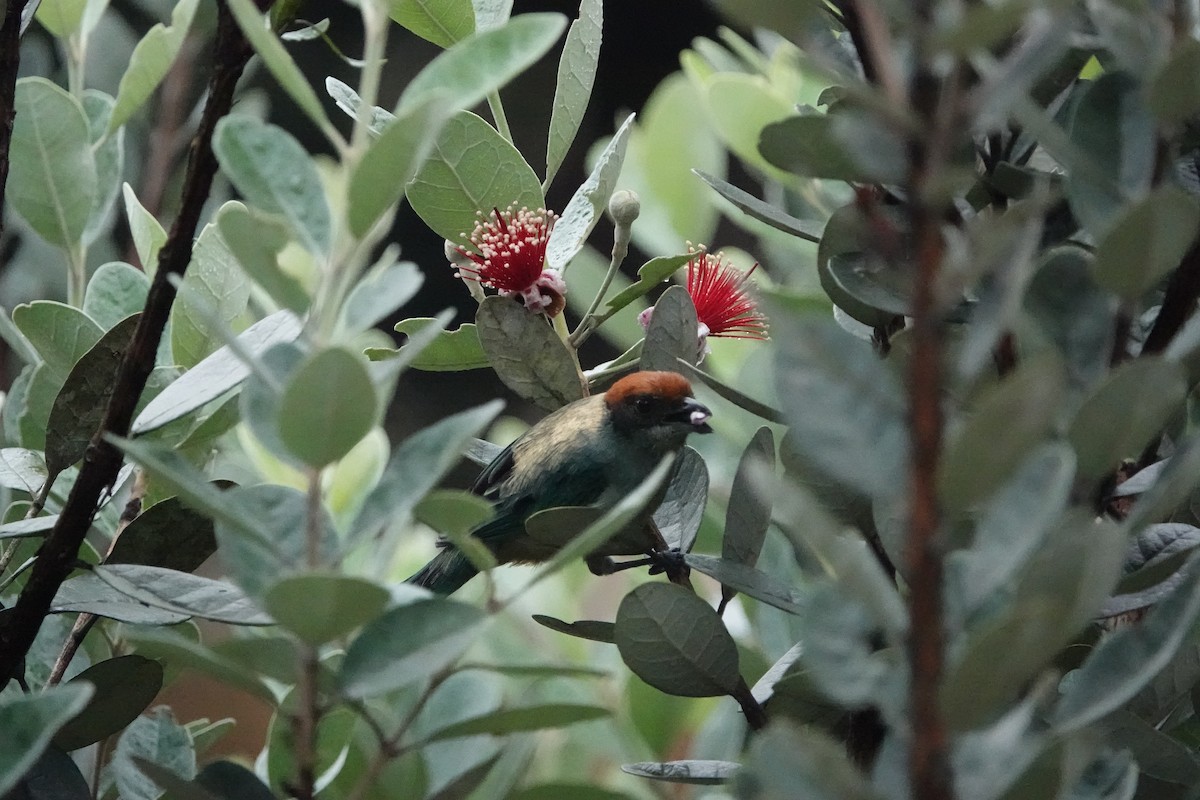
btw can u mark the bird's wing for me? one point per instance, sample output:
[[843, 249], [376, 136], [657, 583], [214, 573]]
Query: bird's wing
[[567, 485], [488, 482]]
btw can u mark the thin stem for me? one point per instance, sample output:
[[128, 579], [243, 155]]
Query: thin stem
[[621, 235], [560, 327], [389, 746], [76, 275], [79, 631], [304, 725], [497, 109]]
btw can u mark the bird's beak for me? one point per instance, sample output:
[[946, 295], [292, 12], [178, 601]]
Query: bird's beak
[[694, 413]]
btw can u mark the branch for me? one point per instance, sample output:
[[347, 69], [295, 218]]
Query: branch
[[10, 59], [935, 103], [1178, 303], [102, 460]]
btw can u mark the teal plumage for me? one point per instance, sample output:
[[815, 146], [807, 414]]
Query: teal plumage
[[591, 452]]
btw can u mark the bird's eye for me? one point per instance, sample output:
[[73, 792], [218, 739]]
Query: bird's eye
[[643, 403]]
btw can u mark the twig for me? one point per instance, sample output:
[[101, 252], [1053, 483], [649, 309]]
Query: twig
[[79, 632], [929, 765], [102, 460], [10, 59], [1179, 302]]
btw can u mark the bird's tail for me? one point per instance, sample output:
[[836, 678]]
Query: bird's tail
[[445, 573]]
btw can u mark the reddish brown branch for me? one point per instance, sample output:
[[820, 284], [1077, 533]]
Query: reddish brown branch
[[929, 764], [102, 460]]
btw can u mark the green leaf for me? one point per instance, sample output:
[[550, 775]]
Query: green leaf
[[158, 739], [849, 146], [1111, 125], [61, 17], [1127, 660], [150, 62], [1005, 423], [788, 761], [407, 644], [320, 608], [348, 100], [109, 154], [377, 295], [517, 720], [177, 651], [147, 232], [471, 170], [675, 642], [379, 178], [217, 373], [55, 775], [230, 781], [273, 539], [748, 513], [870, 281], [331, 743], [443, 22], [681, 511], [1058, 592], [762, 211], [1172, 95], [693, 771], [650, 275], [527, 354], [1122, 415], [674, 332], [255, 239], [1011, 526], [87, 594], [182, 593], [22, 470], [845, 407], [27, 724], [167, 534], [115, 291], [124, 687], [328, 405], [738, 577], [81, 404], [450, 351], [34, 526], [593, 630], [849, 231], [573, 89], [61, 334], [1075, 313], [483, 62], [589, 202], [1145, 241], [267, 45], [214, 285], [417, 465], [52, 183], [274, 172], [453, 510]]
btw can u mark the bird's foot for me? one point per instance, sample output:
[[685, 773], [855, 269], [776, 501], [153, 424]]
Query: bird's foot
[[669, 562]]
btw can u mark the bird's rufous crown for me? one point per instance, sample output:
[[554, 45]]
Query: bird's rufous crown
[[668, 385]]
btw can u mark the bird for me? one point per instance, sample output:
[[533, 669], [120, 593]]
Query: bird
[[591, 452]]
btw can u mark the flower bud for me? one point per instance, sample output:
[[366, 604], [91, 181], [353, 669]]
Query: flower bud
[[624, 207]]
